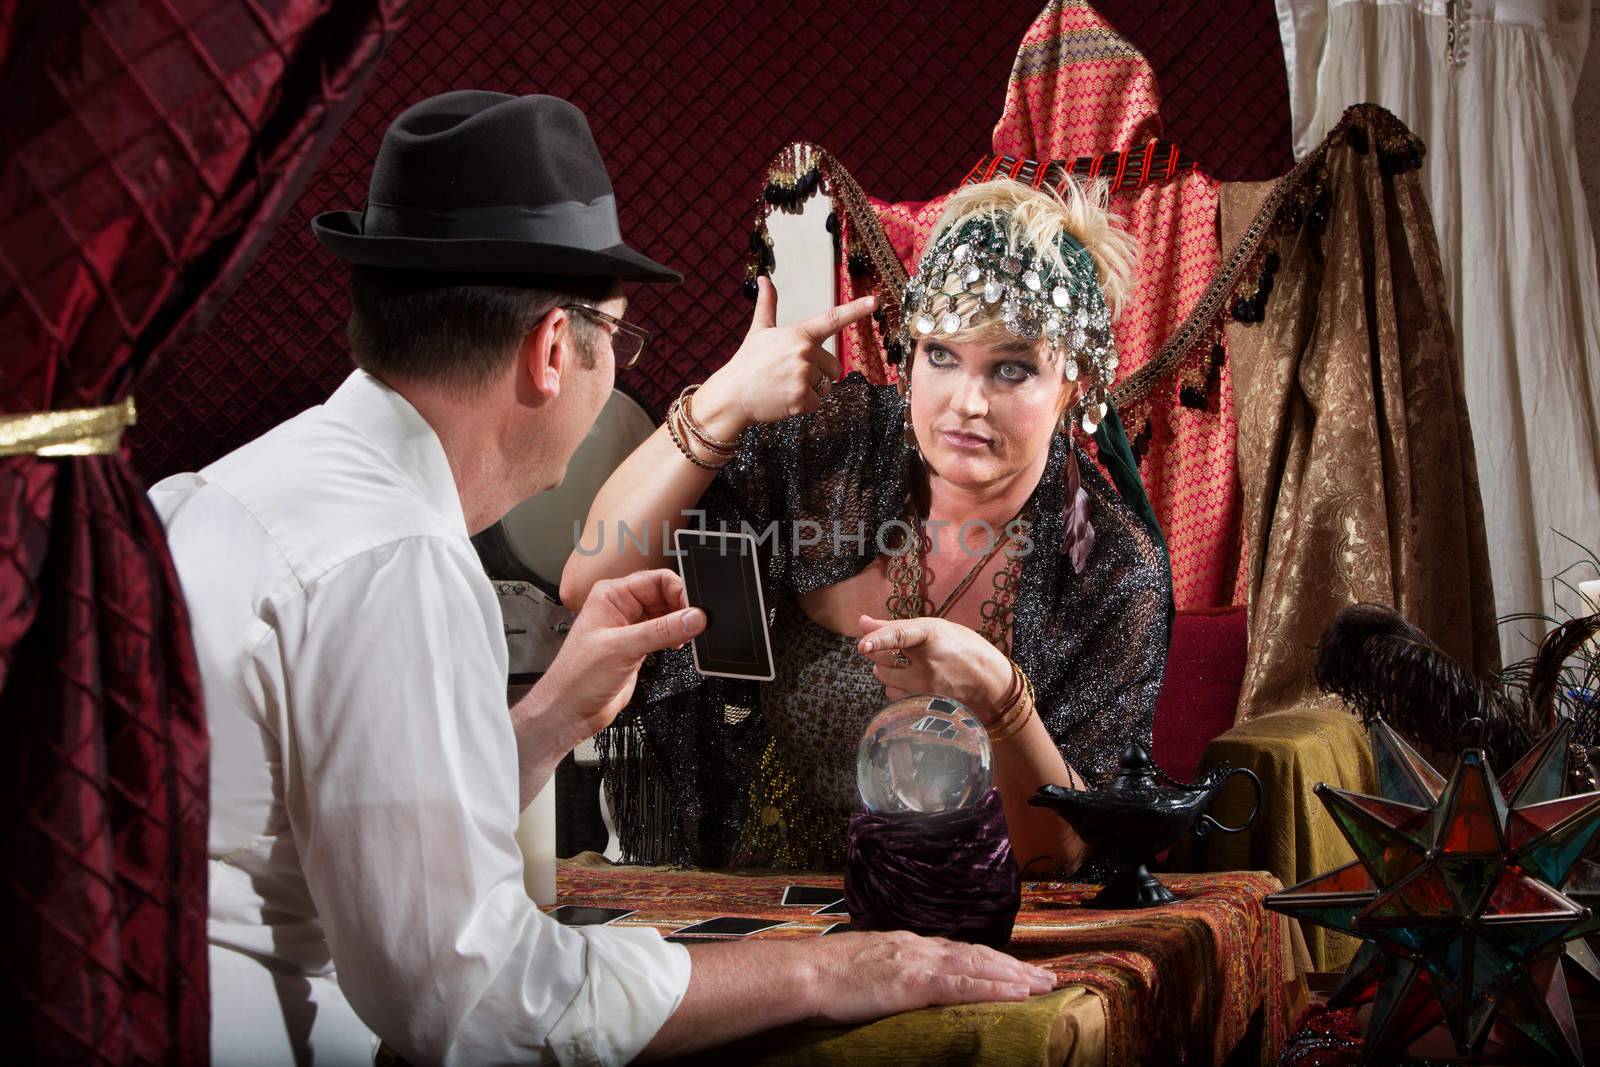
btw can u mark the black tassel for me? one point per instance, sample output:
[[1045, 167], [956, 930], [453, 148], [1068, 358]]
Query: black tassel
[[1317, 219], [1141, 442], [1199, 397], [635, 792]]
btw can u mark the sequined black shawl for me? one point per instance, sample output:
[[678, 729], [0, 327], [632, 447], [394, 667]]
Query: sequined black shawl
[[679, 762]]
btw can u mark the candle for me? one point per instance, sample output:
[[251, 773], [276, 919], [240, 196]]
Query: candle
[[536, 836]]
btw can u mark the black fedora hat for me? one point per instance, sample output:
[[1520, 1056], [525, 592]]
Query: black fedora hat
[[481, 182]]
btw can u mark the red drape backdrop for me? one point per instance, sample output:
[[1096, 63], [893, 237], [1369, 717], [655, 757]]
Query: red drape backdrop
[[146, 149]]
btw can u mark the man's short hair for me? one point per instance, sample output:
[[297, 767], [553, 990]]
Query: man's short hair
[[458, 331]]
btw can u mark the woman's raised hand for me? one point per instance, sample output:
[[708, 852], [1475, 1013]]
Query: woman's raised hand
[[930, 655], [778, 371]]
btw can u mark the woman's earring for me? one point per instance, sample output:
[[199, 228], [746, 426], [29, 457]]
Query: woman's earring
[[1067, 424], [1090, 411]]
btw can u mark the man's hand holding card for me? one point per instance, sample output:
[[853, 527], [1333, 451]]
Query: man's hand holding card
[[592, 678]]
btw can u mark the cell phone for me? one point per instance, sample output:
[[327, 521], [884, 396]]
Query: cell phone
[[810, 896], [836, 908], [582, 915], [729, 926], [836, 928], [722, 577]]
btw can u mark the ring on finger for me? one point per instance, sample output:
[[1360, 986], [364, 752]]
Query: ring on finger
[[820, 386], [901, 659]]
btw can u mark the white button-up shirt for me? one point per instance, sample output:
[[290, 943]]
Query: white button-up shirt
[[364, 793]]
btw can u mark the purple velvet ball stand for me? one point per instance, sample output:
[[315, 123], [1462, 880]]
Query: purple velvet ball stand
[[946, 875]]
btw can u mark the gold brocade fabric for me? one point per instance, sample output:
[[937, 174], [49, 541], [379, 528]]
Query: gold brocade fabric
[[1355, 456], [1357, 475]]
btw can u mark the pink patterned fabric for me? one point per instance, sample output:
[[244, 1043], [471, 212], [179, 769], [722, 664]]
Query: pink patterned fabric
[[1189, 466], [1078, 88]]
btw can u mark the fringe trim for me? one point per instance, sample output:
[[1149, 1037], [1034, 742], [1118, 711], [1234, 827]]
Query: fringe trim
[[636, 792]]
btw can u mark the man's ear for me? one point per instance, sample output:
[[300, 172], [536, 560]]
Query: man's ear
[[544, 354]]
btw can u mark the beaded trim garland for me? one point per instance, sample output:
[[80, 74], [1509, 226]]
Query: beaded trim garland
[[1143, 164], [794, 175], [1033, 297]]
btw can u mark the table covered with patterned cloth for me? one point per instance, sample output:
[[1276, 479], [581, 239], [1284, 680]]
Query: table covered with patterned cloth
[[1193, 982]]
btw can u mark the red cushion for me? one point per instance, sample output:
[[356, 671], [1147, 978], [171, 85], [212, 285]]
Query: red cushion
[[1200, 690]]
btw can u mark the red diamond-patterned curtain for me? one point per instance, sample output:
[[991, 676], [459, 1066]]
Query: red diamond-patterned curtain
[[147, 147]]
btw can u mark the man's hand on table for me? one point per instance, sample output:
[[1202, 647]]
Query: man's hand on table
[[861, 976], [740, 989], [592, 678]]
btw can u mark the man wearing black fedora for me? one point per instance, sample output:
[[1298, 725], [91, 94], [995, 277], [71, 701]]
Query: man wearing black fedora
[[366, 778]]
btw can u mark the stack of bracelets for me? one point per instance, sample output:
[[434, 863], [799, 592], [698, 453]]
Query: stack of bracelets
[[1018, 707], [687, 432]]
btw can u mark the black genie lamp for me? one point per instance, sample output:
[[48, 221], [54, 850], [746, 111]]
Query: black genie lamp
[[1140, 813]]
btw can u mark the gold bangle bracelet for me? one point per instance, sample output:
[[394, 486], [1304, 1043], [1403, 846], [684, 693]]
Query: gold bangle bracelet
[[1015, 727], [1012, 731], [1013, 698], [1018, 713]]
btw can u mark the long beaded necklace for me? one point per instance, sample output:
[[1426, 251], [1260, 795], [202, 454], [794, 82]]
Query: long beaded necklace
[[907, 572]]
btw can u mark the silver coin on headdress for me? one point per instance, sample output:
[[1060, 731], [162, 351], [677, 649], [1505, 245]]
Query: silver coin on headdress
[[1033, 297]]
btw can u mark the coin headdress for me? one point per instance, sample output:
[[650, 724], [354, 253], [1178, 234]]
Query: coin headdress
[[1031, 294]]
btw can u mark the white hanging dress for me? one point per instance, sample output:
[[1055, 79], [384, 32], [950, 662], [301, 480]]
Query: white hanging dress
[[1489, 85]]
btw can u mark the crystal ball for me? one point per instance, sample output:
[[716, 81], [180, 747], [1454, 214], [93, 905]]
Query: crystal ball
[[923, 754]]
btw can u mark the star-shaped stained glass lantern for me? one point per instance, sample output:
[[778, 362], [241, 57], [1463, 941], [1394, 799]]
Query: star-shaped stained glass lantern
[[1455, 897]]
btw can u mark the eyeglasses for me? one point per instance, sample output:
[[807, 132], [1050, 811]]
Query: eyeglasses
[[627, 340]]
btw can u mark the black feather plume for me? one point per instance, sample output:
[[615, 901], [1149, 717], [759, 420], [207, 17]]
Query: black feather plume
[[1545, 675], [1384, 667]]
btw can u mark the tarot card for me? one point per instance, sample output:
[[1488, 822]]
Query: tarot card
[[582, 915], [810, 896], [729, 926], [721, 576]]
